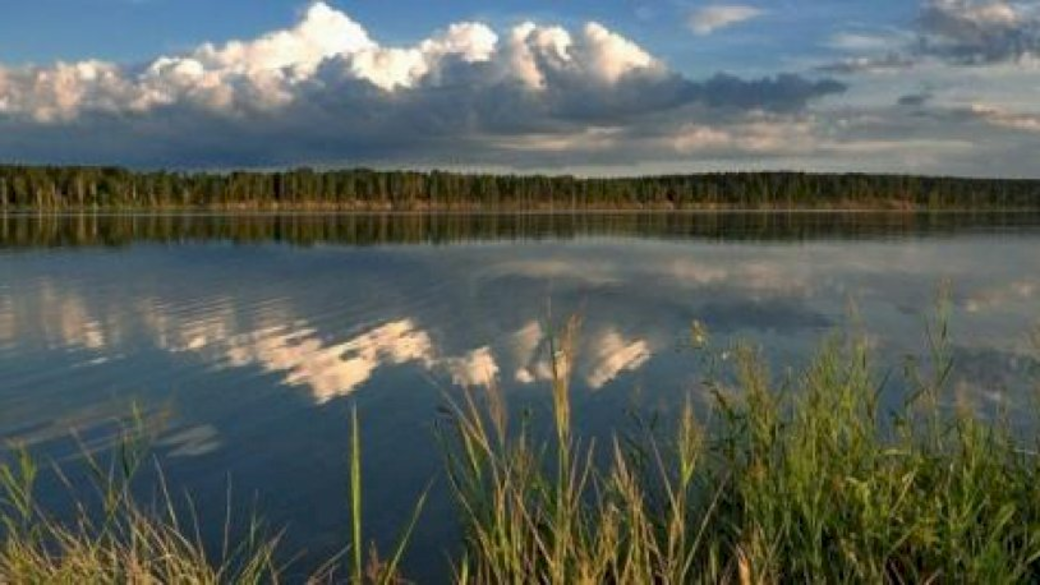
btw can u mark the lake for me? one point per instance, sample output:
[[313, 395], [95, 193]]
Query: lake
[[246, 340]]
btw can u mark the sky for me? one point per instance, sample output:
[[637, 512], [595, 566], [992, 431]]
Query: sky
[[591, 87]]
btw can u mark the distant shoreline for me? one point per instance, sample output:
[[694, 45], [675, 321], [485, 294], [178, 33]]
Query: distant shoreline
[[260, 212]]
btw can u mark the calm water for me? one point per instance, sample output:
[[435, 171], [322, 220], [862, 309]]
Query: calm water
[[248, 339]]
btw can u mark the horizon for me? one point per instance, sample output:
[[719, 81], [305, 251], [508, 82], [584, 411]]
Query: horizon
[[942, 88], [501, 172]]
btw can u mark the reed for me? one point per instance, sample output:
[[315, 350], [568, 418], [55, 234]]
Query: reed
[[113, 538], [802, 480]]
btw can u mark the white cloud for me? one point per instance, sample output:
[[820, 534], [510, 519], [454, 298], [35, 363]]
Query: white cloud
[[325, 91], [863, 41], [272, 70], [766, 134], [1004, 118], [530, 46], [59, 92], [525, 344], [335, 370], [66, 320], [331, 371], [530, 347], [201, 334], [477, 368], [609, 56], [612, 354], [609, 354], [713, 18]]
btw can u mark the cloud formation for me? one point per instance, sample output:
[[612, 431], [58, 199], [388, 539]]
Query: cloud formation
[[1000, 117], [332, 371], [957, 32], [325, 92], [980, 31], [958, 80], [539, 97], [710, 19], [886, 62]]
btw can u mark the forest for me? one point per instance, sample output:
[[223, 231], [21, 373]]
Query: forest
[[109, 188]]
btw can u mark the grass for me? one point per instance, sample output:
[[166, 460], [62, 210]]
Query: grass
[[796, 478], [808, 481], [111, 537]]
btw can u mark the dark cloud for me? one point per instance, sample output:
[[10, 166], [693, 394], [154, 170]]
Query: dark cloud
[[960, 32], [465, 116], [779, 315], [783, 93], [978, 32], [914, 100]]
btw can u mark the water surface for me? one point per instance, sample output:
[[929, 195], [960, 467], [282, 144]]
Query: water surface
[[247, 339]]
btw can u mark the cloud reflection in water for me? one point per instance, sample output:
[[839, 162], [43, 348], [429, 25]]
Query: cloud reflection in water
[[336, 370]]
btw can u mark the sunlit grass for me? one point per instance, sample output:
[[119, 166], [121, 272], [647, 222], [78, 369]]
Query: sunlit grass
[[802, 480], [111, 537]]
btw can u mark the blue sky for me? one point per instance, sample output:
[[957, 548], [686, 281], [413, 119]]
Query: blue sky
[[928, 86], [43, 31]]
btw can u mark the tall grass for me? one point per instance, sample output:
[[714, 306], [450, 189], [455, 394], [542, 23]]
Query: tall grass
[[805, 480], [111, 537], [807, 477]]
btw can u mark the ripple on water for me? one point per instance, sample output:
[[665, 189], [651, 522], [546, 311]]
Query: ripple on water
[[247, 351]]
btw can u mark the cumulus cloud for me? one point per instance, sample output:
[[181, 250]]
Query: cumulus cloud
[[608, 354], [612, 354], [709, 19], [980, 31], [331, 371], [324, 91], [324, 51], [476, 368], [526, 343], [958, 32], [238, 76]]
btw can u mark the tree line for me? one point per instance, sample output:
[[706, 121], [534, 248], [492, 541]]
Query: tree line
[[84, 188]]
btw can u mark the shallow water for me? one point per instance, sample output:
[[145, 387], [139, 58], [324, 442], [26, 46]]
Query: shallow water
[[247, 339]]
